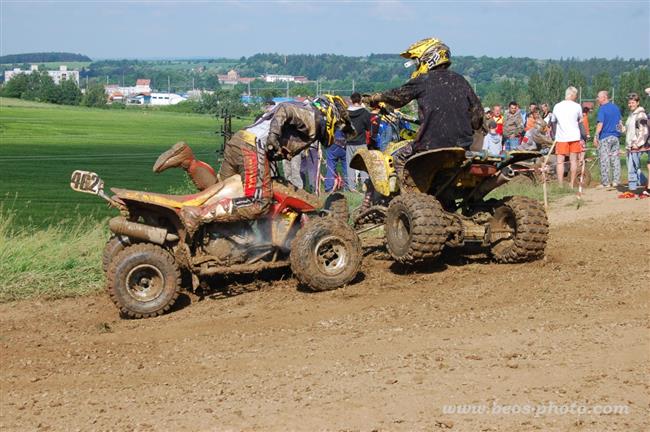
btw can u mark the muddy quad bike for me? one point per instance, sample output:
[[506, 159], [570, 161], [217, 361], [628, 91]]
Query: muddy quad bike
[[440, 203], [150, 246]]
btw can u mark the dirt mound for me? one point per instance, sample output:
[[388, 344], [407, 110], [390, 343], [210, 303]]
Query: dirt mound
[[386, 353]]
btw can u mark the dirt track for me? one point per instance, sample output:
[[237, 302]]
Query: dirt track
[[383, 354]]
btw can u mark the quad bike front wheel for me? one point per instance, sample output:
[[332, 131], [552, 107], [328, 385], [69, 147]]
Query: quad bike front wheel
[[518, 230], [415, 228], [326, 254], [143, 281]]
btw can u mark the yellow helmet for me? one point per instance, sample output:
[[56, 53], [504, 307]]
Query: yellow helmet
[[427, 54], [335, 114]]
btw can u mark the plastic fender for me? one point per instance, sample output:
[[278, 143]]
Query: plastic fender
[[378, 165]]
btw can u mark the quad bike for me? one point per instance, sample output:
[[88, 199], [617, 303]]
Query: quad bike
[[150, 246], [439, 202]]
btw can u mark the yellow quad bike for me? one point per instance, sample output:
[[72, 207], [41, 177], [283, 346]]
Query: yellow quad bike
[[440, 203]]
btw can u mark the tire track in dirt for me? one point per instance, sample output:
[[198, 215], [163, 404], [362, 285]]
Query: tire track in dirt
[[383, 354]]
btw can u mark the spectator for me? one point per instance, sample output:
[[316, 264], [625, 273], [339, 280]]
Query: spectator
[[568, 115], [606, 141], [291, 170], [547, 116], [531, 109], [513, 126], [309, 168], [536, 138], [585, 122], [335, 154], [360, 118], [492, 141], [498, 118], [636, 135], [532, 120]]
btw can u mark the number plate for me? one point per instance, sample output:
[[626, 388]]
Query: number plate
[[87, 182]]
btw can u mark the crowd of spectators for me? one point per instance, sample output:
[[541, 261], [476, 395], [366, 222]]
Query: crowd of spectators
[[537, 128]]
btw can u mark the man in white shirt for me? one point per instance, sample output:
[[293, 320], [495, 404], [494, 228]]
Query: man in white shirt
[[568, 116]]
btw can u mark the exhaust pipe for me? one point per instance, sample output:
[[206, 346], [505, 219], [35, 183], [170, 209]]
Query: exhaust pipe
[[119, 225]]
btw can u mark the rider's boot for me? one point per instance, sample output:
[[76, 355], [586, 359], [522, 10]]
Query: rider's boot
[[181, 155]]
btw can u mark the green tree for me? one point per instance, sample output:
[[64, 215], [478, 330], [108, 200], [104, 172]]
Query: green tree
[[95, 96], [16, 86], [602, 81], [535, 88], [69, 93], [554, 84], [577, 80]]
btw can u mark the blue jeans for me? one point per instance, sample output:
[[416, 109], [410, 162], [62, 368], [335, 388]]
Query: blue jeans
[[351, 180], [635, 177], [512, 144], [335, 154]]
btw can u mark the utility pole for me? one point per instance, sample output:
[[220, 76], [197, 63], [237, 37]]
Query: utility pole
[[352, 86], [287, 87], [169, 88]]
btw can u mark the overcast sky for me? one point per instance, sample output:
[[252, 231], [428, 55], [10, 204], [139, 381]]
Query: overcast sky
[[155, 29]]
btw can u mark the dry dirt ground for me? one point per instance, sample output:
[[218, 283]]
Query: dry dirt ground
[[386, 353]]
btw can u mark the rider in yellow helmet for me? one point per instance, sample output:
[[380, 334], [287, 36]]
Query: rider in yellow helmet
[[280, 133], [448, 108]]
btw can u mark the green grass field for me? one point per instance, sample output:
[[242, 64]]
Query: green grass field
[[41, 144]]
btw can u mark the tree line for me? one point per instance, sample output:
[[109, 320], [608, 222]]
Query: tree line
[[43, 57]]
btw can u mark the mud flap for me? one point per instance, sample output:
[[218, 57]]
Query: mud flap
[[378, 166]]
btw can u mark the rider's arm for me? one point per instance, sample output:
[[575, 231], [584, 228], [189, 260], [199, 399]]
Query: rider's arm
[[400, 96]]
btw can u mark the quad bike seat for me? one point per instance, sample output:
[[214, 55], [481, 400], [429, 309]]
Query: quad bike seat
[[229, 188]]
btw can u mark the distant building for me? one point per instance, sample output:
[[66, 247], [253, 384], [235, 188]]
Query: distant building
[[57, 75], [232, 77], [166, 98], [116, 93], [285, 78]]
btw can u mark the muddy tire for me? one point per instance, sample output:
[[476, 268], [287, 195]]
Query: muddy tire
[[326, 254], [415, 228], [519, 230], [143, 281], [337, 204], [114, 245]]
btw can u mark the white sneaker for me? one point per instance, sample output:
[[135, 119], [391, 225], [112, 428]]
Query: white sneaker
[[614, 185]]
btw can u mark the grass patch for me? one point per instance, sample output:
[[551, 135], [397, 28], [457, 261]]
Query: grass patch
[[42, 144], [54, 262]]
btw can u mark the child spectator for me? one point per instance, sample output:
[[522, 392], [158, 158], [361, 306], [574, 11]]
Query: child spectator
[[492, 141]]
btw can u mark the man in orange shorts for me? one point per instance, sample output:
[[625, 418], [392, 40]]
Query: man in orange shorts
[[568, 116]]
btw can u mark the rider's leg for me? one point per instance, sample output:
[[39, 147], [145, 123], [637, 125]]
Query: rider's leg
[[181, 155]]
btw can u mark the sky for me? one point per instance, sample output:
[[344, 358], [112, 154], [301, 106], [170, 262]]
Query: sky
[[546, 29]]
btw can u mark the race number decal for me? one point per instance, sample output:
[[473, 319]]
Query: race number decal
[[86, 181]]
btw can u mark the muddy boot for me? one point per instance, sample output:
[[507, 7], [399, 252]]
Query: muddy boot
[[191, 218], [180, 155]]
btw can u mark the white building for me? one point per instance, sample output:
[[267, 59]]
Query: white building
[[284, 78], [57, 75], [166, 99]]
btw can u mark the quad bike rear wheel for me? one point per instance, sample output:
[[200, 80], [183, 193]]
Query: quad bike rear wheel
[[325, 254], [415, 228], [143, 281], [114, 245], [518, 230]]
